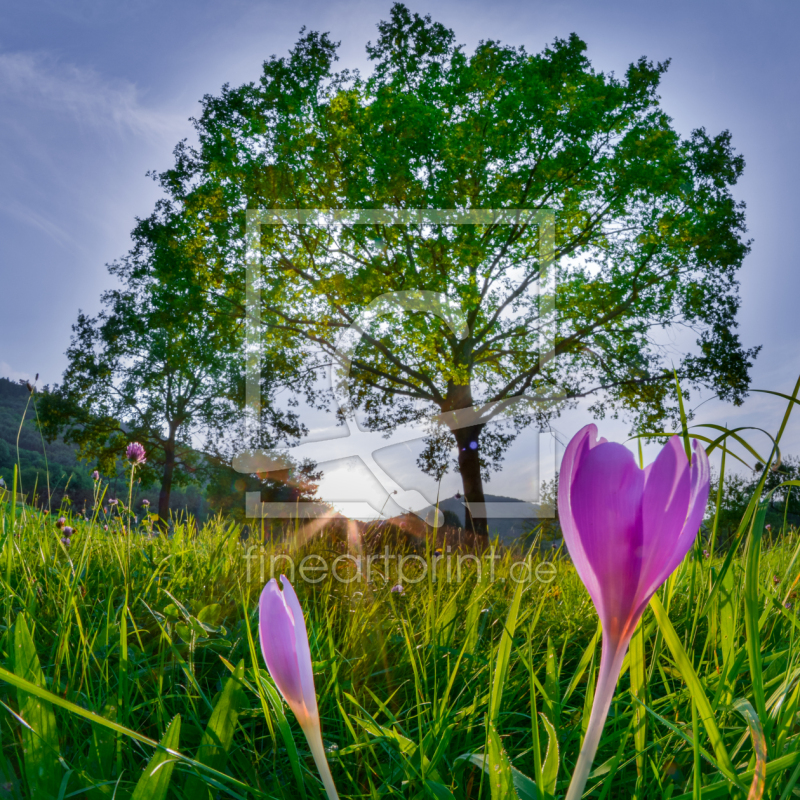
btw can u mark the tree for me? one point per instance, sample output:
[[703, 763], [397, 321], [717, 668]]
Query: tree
[[160, 365], [648, 237]]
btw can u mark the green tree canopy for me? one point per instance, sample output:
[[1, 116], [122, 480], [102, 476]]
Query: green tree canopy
[[161, 364], [648, 236]]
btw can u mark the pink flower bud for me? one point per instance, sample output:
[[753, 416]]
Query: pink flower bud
[[284, 644]]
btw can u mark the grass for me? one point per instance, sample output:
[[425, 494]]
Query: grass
[[471, 688]]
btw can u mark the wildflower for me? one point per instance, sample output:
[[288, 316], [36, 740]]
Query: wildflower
[[65, 540], [787, 604], [95, 476], [113, 502], [776, 580], [31, 387], [706, 554], [146, 503], [284, 644], [105, 527], [135, 453], [768, 527], [398, 588], [68, 531], [437, 553], [61, 522], [626, 530]]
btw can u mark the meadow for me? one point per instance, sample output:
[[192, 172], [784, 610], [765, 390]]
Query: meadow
[[131, 665]]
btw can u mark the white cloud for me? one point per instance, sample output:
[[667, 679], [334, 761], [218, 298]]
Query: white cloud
[[40, 81], [15, 375]]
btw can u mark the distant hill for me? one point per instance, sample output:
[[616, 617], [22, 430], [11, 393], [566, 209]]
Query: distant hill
[[65, 469], [516, 520], [62, 459]]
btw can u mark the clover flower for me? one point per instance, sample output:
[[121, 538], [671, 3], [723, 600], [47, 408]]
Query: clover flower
[[135, 453]]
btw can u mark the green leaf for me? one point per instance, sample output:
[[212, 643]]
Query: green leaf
[[210, 614], [40, 740], [154, 782], [525, 788], [498, 768], [550, 766], [216, 742]]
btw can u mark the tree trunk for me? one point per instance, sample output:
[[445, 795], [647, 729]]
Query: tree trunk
[[470, 466], [166, 484]]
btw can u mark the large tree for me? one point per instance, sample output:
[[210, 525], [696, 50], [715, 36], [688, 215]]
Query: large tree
[[161, 364], [647, 244]]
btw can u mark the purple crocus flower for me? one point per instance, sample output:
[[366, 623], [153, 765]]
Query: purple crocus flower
[[135, 453], [284, 643], [626, 530]]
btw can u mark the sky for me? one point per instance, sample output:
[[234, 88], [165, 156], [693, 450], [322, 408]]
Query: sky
[[93, 95]]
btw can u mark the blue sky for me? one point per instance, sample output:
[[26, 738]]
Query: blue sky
[[94, 94]]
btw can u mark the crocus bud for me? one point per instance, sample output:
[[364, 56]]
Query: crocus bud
[[626, 530], [284, 643]]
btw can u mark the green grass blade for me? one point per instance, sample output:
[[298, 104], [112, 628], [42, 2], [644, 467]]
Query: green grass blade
[[689, 675], [276, 704], [638, 690], [551, 685], [752, 613], [759, 747], [504, 655], [43, 694]]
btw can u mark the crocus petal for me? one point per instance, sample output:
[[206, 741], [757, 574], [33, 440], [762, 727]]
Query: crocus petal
[[302, 648], [699, 484], [579, 445], [606, 501], [664, 505], [278, 645]]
